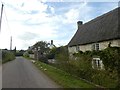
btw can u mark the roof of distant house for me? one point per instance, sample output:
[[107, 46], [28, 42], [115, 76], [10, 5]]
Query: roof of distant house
[[102, 28]]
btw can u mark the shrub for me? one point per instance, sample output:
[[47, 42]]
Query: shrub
[[26, 54], [87, 53], [111, 57], [43, 59], [81, 66], [7, 56]]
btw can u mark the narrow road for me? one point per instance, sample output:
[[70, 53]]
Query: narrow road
[[21, 73]]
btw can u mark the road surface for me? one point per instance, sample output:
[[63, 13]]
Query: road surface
[[21, 73]]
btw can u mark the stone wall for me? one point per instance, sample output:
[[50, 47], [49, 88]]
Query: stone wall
[[88, 47]]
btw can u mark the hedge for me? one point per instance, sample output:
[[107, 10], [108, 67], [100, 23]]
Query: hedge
[[81, 66], [7, 56]]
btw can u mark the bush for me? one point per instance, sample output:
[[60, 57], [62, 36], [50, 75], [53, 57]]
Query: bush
[[111, 57], [43, 58], [81, 66], [87, 53], [62, 62], [7, 56], [26, 54], [19, 54]]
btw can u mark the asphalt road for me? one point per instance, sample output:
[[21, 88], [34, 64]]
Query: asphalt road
[[21, 73]]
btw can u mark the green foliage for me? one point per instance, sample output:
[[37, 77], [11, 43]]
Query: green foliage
[[7, 56], [43, 59], [51, 54], [19, 52], [26, 54], [62, 78], [55, 51], [30, 52], [43, 46], [62, 58], [111, 57], [81, 66]]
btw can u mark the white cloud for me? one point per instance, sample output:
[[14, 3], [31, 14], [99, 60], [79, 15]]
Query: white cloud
[[72, 15], [52, 9], [26, 6], [78, 12], [29, 22], [18, 12], [33, 5], [79, 0]]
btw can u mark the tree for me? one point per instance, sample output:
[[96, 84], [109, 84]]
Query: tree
[[43, 46]]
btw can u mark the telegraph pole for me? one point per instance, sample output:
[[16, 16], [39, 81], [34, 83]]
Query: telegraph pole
[[1, 16], [11, 43], [0, 31]]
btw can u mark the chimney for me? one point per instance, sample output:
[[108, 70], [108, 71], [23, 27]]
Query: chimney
[[51, 42], [79, 23]]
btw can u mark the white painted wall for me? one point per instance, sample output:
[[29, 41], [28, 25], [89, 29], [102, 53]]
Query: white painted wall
[[104, 44], [31, 55], [88, 47], [72, 49]]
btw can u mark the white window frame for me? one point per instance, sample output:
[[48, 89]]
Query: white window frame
[[96, 46], [97, 64]]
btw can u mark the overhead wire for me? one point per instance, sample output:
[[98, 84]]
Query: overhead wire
[[1, 16], [6, 21], [8, 29]]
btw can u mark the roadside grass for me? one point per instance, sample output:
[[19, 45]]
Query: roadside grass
[[28, 58], [62, 78]]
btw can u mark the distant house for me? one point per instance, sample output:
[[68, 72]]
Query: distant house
[[30, 52], [51, 46], [97, 34]]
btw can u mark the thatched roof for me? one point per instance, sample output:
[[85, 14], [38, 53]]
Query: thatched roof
[[102, 28]]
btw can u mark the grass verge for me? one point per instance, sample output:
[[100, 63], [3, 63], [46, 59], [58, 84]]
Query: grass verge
[[62, 78]]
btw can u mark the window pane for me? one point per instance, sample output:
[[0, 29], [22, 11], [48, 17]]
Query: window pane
[[97, 46]]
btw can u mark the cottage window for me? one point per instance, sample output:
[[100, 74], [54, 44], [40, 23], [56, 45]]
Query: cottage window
[[95, 46], [97, 64]]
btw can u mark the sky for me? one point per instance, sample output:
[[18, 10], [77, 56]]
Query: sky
[[30, 21]]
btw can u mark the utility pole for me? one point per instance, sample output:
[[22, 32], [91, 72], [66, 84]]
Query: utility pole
[[1, 16], [0, 31], [11, 43]]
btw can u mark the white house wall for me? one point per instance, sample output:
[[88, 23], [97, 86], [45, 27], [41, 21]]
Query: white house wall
[[72, 49], [88, 47], [114, 43], [31, 55]]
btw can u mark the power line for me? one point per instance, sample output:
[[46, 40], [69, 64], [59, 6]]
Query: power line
[[9, 29], [7, 22], [1, 16], [4, 13]]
